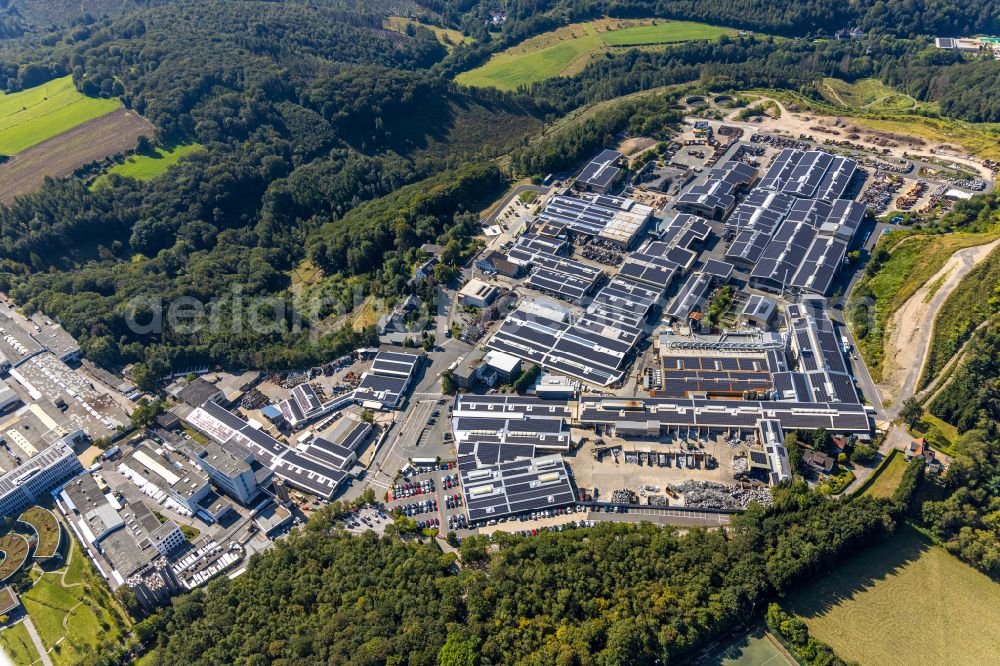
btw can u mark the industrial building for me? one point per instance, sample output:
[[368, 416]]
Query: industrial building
[[294, 468], [477, 293], [385, 385], [303, 406], [168, 478], [30, 481], [505, 459], [715, 196], [94, 515], [234, 470], [517, 487], [601, 174], [615, 219]]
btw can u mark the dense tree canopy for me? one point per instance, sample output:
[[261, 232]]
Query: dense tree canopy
[[615, 594]]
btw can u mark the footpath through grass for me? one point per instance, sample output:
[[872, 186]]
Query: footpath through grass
[[904, 601], [568, 49], [73, 612], [31, 116], [16, 642]]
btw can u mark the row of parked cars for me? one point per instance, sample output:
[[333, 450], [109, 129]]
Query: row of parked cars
[[425, 506], [556, 528], [457, 521], [452, 501], [412, 488]]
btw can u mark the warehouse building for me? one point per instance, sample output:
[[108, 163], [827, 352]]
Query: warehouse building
[[601, 174], [30, 481], [477, 293], [715, 197], [517, 487], [615, 219], [174, 477], [389, 379], [656, 417], [90, 509], [772, 438]]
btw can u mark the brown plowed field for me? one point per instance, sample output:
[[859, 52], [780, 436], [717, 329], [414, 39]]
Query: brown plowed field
[[95, 139]]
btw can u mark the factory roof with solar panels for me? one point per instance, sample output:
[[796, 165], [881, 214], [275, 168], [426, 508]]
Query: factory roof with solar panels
[[613, 219], [715, 197], [565, 278], [302, 405], [793, 230], [686, 231], [650, 266], [505, 445], [655, 416], [389, 379], [299, 469], [601, 172], [690, 297], [596, 347], [517, 487]]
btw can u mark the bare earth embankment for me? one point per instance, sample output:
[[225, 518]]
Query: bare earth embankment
[[912, 325], [59, 156]]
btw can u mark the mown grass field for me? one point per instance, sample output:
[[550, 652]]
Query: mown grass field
[[568, 49], [754, 649], [449, 37], [904, 601], [31, 116], [60, 156], [16, 642], [145, 167], [970, 304], [915, 259], [72, 616], [888, 477]]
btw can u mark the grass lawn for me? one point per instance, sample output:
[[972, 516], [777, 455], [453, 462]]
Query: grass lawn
[[754, 649], [46, 527], [888, 477], [34, 115], [867, 94], [75, 618], [18, 645], [904, 601], [144, 167], [568, 49], [449, 37], [664, 33]]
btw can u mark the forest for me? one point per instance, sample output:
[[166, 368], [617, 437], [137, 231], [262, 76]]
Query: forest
[[614, 594], [314, 121]]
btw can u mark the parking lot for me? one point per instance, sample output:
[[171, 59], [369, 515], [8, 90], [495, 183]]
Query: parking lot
[[431, 496]]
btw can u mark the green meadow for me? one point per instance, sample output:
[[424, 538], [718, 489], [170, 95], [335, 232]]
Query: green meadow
[[31, 116]]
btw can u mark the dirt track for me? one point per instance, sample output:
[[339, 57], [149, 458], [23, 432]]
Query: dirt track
[[912, 326], [59, 156]]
